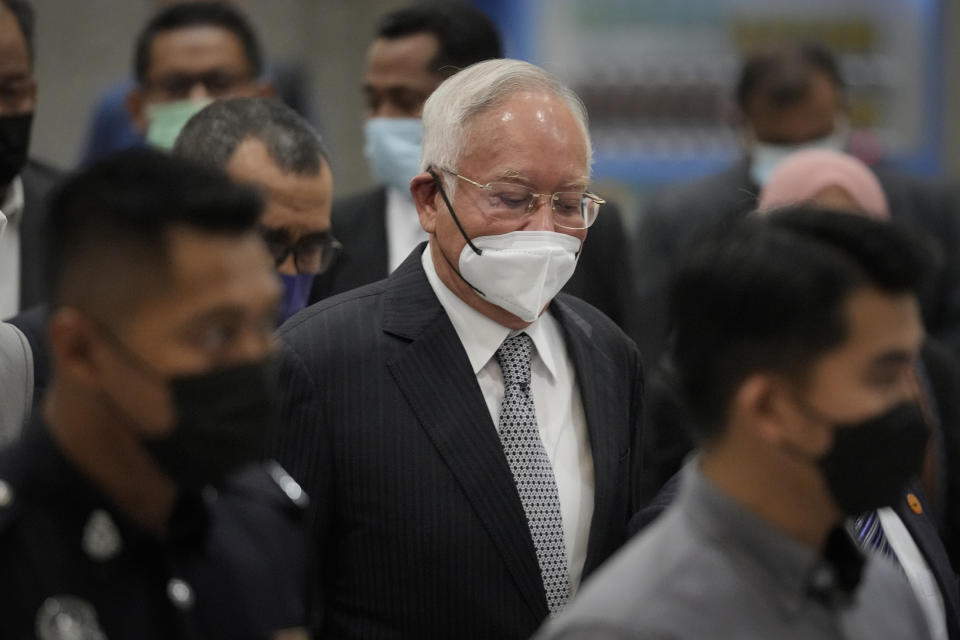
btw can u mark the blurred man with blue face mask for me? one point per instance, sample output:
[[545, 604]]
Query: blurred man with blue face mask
[[188, 55], [415, 49]]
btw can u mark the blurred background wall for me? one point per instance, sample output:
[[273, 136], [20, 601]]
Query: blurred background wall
[[667, 65]]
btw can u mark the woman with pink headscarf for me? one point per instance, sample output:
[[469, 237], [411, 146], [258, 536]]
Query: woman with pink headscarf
[[827, 178]]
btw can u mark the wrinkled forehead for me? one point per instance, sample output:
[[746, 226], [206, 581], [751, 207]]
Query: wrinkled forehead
[[538, 122]]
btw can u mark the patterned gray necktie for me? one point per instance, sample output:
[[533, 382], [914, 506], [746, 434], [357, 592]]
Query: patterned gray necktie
[[532, 471]]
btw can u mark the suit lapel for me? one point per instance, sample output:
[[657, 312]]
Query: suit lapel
[[436, 378], [594, 375], [927, 539]]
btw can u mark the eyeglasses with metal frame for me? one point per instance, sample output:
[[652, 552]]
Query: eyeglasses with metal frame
[[511, 200]]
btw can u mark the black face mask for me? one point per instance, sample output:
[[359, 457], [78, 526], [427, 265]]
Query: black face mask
[[14, 143], [872, 461], [222, 417]]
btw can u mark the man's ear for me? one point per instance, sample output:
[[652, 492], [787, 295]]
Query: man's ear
[[73, 346], [426, 197], [136, 103], [758, 406]]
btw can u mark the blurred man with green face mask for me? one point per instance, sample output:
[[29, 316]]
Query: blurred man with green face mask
[[188, 55]]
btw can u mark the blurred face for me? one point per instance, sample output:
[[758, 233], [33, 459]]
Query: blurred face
[[18, 91], [531, 139], [869, 374], [297, 206], [216, 310], [194, 63], [397, 80], [812, 118]]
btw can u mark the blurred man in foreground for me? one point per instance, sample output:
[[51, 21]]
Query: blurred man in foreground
[[133, 505], [795, 347]]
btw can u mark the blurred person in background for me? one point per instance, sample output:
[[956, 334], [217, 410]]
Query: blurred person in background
[[265, 144], [795, 348], [188, 55], [24, 182], [834, 180], [112, 129], [789, 97], [415, 49], [134, 505]]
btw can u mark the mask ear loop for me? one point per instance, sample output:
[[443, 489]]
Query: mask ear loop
[[453, 214]]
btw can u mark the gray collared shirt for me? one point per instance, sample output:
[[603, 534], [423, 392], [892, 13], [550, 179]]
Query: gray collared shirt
[[16, 382], [708, 568]]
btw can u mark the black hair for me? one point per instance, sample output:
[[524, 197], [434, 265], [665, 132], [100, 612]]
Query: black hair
[[197, 14], [212, 136], [768, 294], [464, 33], [782, 74], [23, 13], [111, 222]]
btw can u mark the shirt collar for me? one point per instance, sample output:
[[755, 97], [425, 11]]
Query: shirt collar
[[481, 336], [12, 205], [799, 572]]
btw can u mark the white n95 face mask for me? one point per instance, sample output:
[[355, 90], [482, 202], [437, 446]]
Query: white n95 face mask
[[520, 271]]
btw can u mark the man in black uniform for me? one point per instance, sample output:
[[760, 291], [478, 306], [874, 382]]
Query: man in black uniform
[[130, 508]]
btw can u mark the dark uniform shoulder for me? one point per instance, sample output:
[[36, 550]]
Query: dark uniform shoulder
[[12, 478], [9, 506]]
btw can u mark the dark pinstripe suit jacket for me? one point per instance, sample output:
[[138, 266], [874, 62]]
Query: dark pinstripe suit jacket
[[419, 529]]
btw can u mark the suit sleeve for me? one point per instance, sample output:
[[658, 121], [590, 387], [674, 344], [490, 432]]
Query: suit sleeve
[[638, 443], [300, 445], [656, 244]]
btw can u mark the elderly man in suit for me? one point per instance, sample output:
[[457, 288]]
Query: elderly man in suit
[[465, 431]]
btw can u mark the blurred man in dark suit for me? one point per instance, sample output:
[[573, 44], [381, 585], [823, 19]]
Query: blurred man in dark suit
[[24, 183], [790, 97], [464, 430]]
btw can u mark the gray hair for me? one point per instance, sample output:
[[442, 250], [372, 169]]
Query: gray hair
[[212, 136], [462, 97]]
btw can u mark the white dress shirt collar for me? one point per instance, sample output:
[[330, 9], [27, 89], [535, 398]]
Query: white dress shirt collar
[[12, 205], [481, 336]]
